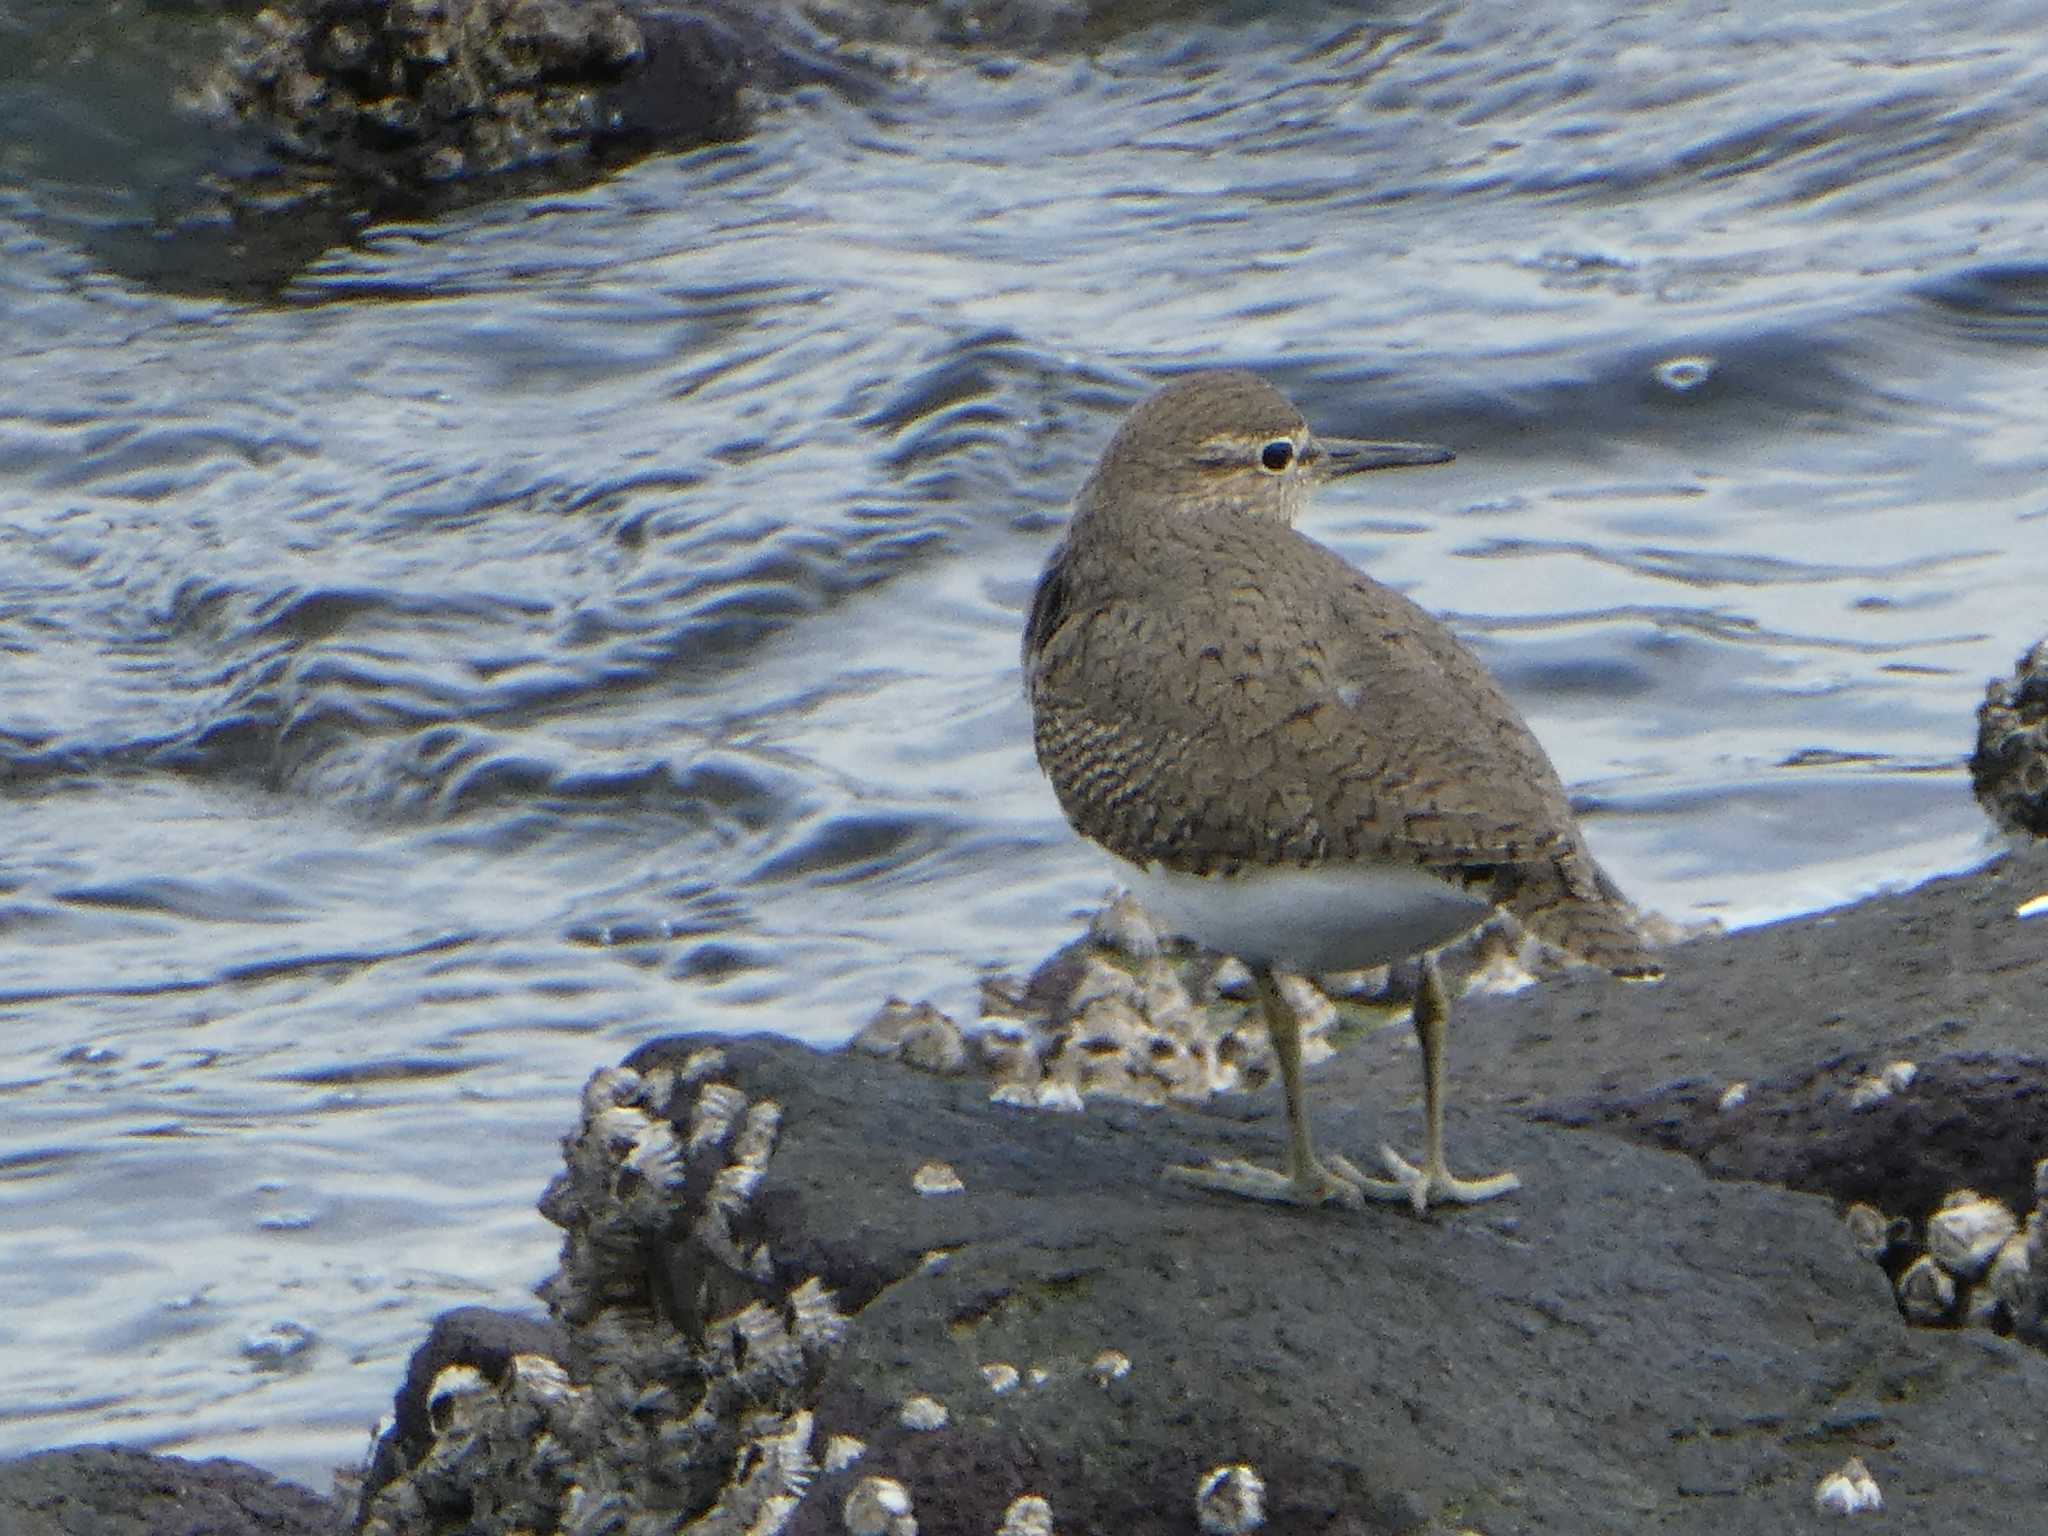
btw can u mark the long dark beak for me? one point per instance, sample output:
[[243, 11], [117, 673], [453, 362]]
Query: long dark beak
[[1347, 456]]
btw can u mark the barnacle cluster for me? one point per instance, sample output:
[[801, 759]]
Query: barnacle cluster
[[1977, 1262], [1128, 1013], [1121, 1014], [2009, 769], [680, 1405]]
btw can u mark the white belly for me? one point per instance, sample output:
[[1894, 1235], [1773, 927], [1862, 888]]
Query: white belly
[[1332, 918]]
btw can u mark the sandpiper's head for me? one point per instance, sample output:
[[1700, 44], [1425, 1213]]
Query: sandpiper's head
[[1231, 440]]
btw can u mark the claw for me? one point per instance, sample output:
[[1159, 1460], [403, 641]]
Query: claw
[[1421, 1185]]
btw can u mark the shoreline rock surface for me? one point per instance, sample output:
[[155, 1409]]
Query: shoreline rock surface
[[1669, 1327]]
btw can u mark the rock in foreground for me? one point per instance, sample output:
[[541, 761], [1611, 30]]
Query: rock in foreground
[[104, 1490], [1625, 1346]]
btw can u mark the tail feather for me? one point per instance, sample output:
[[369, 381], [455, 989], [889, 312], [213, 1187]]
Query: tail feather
[[1589, 919]]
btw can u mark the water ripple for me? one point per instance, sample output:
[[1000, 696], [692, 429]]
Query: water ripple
[[591, 615]]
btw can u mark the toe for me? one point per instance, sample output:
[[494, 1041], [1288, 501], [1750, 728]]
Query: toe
[[1414, 1183], [1333, 1184], [1423, 1185], [1472, 1191]]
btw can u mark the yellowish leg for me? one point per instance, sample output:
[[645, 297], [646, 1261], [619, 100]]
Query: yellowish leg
[[1433, 1180], [1308, 1180]]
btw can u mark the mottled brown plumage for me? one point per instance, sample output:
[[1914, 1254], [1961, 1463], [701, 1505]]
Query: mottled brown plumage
[[1214, 694]]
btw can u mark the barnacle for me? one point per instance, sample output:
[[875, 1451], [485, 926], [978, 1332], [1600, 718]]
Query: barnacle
[[1230, 1500]]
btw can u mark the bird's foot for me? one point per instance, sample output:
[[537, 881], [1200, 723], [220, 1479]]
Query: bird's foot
[[1419, 1186], [1335, 1182]]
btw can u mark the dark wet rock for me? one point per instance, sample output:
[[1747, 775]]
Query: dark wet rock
[[426, 90], [103, 1490], [2009, 769], [1678, 1352], [1811, 1018], [1945, 976], [292, 129], [1627, 1344], [317, 116], [412, 93], [252, 139], [407, 96], [1967, 1120], [1958, 1125]]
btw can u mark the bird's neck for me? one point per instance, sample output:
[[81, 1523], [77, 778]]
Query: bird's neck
[[1136, 518]]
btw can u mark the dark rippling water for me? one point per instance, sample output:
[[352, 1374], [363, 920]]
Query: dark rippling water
[[594, 616]]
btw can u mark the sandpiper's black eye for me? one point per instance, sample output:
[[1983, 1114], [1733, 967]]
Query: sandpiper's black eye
[[1276, 455]]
